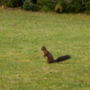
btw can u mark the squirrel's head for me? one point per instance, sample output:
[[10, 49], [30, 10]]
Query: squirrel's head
[[43, 48]]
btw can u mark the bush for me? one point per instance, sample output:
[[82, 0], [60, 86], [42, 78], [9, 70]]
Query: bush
[[28, 5], [71, 5], [50, 5], [59, 6], [78, 6], [12, 3], [34, 1], [74, 6], [87, 5], [1, 2], [47, 5]]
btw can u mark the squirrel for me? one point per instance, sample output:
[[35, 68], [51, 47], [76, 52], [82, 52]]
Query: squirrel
[[50, 58]]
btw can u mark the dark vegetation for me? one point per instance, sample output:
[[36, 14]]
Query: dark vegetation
[[59, 6]]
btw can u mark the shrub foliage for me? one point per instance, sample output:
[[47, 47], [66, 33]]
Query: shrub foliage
[[12, 3], [49, 5], [29, 5]]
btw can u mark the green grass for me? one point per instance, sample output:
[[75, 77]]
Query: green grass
[[22, 66]]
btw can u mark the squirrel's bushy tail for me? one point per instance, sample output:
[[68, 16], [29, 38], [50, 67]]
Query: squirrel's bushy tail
[[62, 58]]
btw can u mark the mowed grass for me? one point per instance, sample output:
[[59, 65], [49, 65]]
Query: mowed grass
[[22, 66]]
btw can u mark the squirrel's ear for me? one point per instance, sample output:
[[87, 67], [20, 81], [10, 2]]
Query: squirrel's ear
[[43, 46]]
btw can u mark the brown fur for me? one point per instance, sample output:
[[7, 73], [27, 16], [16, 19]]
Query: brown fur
[[50, 58]]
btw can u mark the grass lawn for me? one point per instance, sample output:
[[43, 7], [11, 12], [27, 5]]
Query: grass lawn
[[22, 66]]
